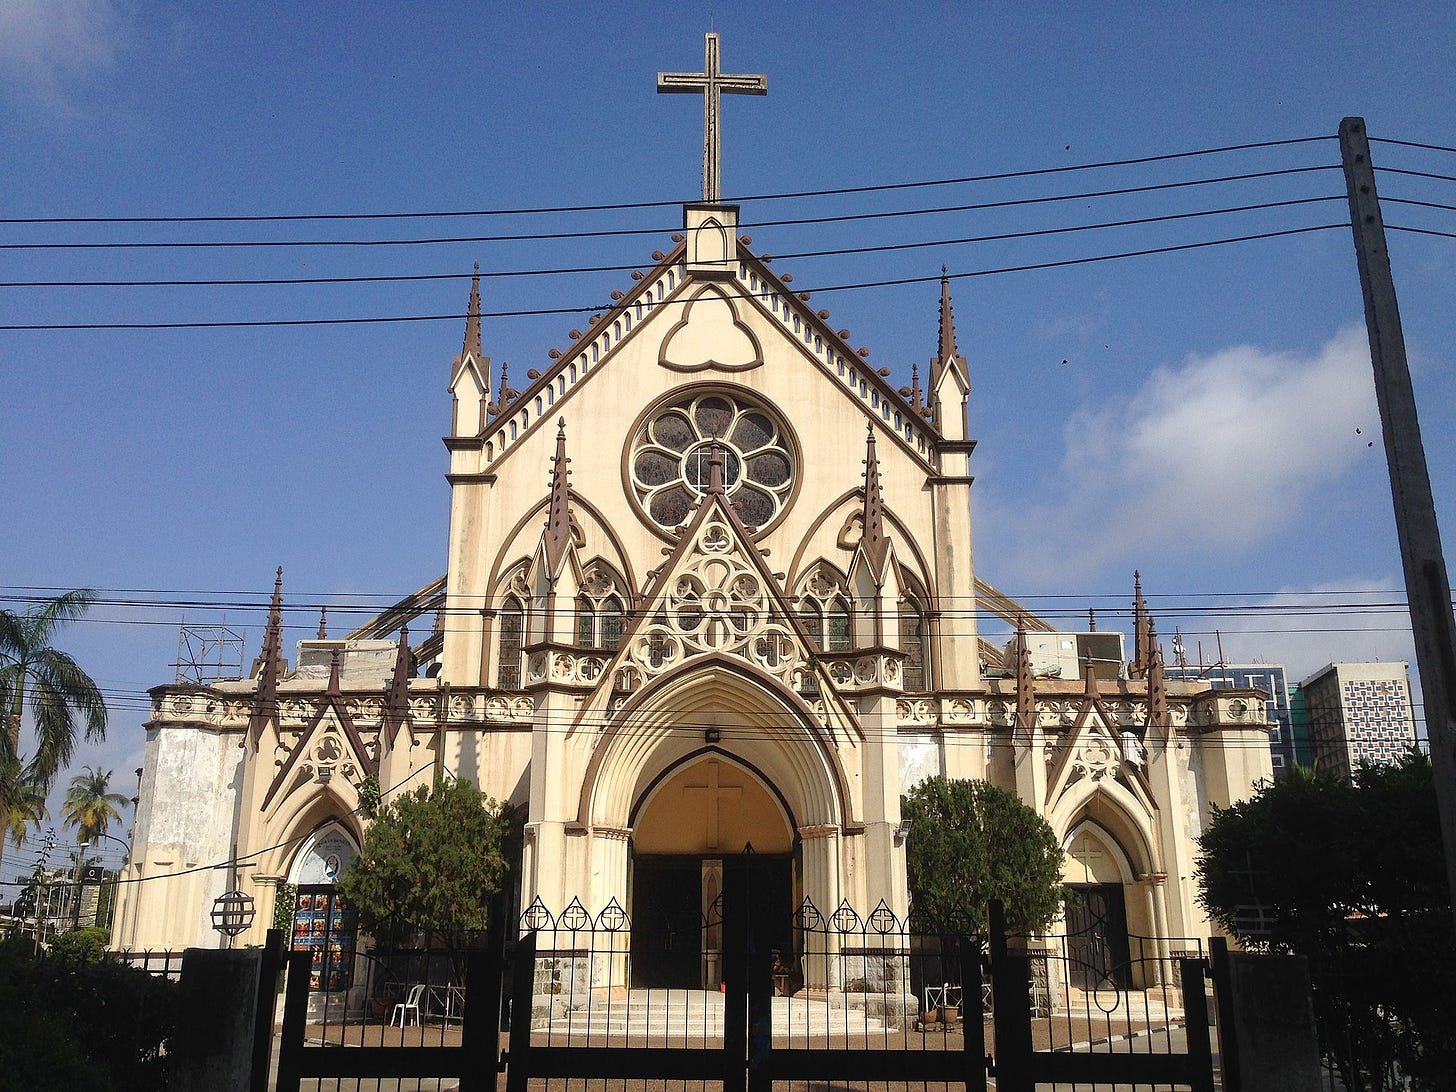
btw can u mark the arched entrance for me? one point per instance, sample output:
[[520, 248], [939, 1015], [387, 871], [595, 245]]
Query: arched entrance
[[1097, 934], [689, 826]]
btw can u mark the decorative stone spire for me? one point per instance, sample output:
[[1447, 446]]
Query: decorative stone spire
[[396, 701], [336, 659], [1139, 665], [917, 396], [1025, 681], [558, 518], [323, 630], [1157, 686], [1089, 674], [472, 346], [876, 544], [269, 665], [946, 349]]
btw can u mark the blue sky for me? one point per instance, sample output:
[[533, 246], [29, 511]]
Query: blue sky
[[1193, 415]]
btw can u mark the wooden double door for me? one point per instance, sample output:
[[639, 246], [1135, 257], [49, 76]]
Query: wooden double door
[[677, 914], [1097, 940]]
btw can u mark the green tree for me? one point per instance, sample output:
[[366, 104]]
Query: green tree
[[89, 807], [1349, 874], [45, 686], [429, 865], [970, 842], [22, 804]]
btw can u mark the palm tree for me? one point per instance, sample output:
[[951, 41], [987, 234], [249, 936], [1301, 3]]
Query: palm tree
[[46, 685], [22, 804], [89, 807]]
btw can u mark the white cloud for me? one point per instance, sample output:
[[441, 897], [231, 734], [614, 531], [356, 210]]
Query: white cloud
[[48, 45], [1211, 456]]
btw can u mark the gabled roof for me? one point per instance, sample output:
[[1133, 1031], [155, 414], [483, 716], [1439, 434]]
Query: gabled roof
[[734, 552], [753, 269], [1094, 736], [332, 703]]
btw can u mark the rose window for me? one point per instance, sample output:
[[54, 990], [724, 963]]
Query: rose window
[[673, 451]]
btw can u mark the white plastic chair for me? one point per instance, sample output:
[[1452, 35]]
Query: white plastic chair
[[411, 1004]]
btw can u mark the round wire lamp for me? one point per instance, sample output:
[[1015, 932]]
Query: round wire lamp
[[232, 913]]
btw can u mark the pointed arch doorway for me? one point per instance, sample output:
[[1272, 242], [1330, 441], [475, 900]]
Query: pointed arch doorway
[[690, 828]]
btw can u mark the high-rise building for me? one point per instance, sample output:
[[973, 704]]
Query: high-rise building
[[1359, 713], [1271, 679]]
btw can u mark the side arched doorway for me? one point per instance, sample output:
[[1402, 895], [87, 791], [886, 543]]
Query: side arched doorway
[[690, 827], [1096, 874]]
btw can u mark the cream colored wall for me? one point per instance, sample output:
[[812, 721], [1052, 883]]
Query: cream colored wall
[[185, 819]]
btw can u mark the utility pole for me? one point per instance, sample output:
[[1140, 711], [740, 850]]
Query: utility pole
[[1427, 589]]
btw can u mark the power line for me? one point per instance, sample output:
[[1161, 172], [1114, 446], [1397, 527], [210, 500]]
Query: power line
[[629, 205], [1411, 144], [225, 244], [896, 282], [572, 270], [1422, 231], [1416, 174]]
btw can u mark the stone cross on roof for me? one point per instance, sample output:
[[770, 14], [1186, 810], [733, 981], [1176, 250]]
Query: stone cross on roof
[[711, 83]]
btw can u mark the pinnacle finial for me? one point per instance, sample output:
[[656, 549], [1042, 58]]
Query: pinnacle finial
[[1089, 672], [716, 483], [472, 319], [874, 540], [323, 630], [335, 664], [558, 518], [1025, 680], [947, 347]]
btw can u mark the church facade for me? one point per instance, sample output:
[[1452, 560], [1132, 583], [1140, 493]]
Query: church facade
[[710, 583]]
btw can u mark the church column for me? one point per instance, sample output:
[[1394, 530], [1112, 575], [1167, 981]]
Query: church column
[[884, 860], [821, 846]]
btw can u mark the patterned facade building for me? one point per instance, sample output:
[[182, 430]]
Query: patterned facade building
[[1359, 712]]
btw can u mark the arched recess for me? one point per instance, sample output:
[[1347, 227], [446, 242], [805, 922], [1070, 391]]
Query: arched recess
[[324, 855], [1114, 809], [300, 814], [1108, 857], [1095, 856], [671, 813], [757, 722]]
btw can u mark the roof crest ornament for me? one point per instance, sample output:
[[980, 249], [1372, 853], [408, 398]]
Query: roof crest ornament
[[711, 83]]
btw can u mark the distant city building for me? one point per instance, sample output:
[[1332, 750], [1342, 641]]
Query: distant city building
[[1359, 713], [1269, 678]]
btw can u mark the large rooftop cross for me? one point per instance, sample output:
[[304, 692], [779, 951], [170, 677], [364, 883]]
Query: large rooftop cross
[[711, 83]]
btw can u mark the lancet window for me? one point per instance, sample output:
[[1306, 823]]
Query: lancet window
[[824, 610], [511, 620], [912, 643], [600, 609]]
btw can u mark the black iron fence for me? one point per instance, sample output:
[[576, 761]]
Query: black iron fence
[[833, 1000]]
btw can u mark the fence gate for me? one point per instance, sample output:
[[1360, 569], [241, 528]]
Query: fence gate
[[1062, 1018]]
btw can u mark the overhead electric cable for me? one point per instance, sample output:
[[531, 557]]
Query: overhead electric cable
[[628, 205], [228, 244], [1415, 174], [453, 317], [1421, 231], [571, 270], [1411, 144]]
